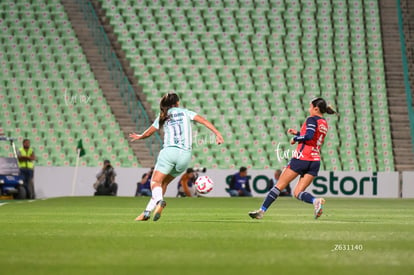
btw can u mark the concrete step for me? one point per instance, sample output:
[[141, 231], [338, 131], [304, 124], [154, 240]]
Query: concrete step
[[400, 110], [398, 117], [404, 167]]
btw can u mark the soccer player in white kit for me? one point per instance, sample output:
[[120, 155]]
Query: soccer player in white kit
[[175, 156]]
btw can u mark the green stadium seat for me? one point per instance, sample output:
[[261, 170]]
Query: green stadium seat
[[293, 59], [52, 53]]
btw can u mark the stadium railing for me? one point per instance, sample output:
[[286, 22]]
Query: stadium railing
[[135, 107], [405, 70]]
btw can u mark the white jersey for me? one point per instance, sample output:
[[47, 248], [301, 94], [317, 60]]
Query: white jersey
[[177, 128]]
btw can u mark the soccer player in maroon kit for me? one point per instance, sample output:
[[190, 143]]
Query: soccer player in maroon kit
[[306, 159]]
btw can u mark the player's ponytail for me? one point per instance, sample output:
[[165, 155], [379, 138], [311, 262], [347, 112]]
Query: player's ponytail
[[330, 110], [167, 102], [323, 107]]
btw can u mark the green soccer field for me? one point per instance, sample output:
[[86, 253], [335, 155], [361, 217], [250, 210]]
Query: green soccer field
[[98, 235]]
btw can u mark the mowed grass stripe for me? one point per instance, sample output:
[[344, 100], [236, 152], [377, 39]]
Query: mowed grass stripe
[[98, 235]]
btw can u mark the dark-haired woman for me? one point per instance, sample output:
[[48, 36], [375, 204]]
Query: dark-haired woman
[[175, 156], [306, 160]]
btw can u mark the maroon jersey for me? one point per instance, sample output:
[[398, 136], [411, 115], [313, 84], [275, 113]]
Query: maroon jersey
[[310, 139]]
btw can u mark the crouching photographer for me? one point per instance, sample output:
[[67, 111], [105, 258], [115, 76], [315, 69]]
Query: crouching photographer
[[105, 184], [186, 187]]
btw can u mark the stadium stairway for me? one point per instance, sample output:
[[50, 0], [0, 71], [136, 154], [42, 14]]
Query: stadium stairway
[[408, 18], [400, 125], [107, 85], [129, 71]]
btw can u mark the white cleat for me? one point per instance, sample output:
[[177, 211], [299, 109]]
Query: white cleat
[[258, 214], [318, 204]]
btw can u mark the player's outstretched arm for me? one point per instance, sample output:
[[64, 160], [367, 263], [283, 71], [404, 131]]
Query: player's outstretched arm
[[149, 132], [205, 122]]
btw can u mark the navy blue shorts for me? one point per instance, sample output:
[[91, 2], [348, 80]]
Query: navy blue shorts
[[303, 167]]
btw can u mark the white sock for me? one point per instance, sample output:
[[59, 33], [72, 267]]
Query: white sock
[[156, 196]]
